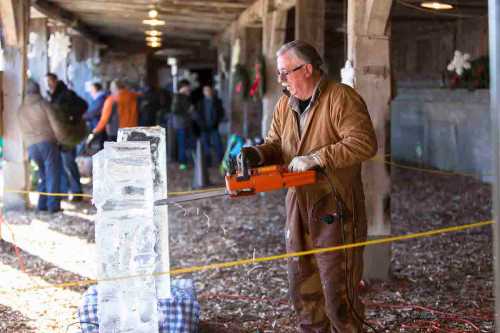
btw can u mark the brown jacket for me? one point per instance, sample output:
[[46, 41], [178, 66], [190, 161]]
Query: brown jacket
[[35, 120], [338, 131]]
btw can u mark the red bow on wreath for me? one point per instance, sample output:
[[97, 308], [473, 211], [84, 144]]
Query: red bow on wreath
[[255, 85]]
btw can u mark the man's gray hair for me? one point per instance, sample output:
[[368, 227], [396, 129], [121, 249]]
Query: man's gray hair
[[32, 88], [304, 51]]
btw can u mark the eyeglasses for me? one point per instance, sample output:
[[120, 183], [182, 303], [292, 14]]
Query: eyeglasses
[[282, 76]]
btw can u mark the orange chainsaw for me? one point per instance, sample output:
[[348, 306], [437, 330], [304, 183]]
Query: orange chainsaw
[[243, 181]]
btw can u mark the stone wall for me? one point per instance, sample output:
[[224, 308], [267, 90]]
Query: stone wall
[[444, 129]]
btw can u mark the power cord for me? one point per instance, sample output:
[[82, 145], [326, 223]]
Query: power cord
[[348, 272], [81, 322]]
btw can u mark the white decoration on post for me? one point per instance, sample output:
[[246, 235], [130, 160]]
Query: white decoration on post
[[33, 39], [459, 62], [192, 77], [59, 48], [2, 60], [235, 54], [347, 74]]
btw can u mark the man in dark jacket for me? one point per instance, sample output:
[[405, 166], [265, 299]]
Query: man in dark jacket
[[209, 113], [66, 100], [93, 114], [181, 119], [149, 105]]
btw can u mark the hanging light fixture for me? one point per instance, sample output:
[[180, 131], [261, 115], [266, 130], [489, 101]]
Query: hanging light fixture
[[436, 5], [154, 33], [153, 13], [154, 44], [153, 39], [153, 22]]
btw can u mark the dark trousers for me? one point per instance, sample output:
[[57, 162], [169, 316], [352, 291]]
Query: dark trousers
[[70, 178], [46, 156], [211, 140], [183, 145]]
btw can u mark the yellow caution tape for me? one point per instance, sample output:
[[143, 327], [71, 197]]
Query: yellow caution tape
[[243, 262], [376, 158], [90, 196], [439, 172], [49, 193]]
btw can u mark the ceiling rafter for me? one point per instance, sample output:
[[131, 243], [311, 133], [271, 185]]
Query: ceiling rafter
[[69, 19]]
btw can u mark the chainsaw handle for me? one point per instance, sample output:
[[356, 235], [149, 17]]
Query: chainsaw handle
[[243, 165]]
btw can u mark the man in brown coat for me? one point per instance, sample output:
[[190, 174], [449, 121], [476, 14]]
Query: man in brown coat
[[324, 125], [38, 125]]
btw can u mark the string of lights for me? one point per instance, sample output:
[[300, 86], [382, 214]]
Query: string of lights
[[153, 36]]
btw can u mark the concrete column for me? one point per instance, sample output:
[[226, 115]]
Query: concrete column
[[15, 16], [310, 23], [368, 49], [273, 38]]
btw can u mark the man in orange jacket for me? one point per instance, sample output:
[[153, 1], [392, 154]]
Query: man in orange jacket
[[119, 111]]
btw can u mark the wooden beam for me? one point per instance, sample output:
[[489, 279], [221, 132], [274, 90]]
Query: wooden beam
[[176, 4], [377, 15], [251, 15], [284, 4], [66, 17], [254, 15], [201, 26], [10, 21], [15, 175], [310, 23]]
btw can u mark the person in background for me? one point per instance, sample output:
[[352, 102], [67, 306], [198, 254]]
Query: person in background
[[181, 121], [93, 114], [164, 110], [149, 105], [67, 100], [207, 117], [37, 128], [119, 111]]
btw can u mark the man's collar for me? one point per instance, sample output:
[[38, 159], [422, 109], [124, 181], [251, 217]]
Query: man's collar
[[293, 102]]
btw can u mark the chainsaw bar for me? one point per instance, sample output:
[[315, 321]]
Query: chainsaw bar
[[192, 197]]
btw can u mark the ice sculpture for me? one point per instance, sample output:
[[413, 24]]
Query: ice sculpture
[[125, 238], [157, 140]]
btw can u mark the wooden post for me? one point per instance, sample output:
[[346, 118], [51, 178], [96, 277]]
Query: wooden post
[[310, 23], [273, 38], [15, 16], [368, 49]]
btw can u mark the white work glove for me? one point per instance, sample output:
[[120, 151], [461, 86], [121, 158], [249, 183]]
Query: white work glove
[[303, 163], [89, 139]]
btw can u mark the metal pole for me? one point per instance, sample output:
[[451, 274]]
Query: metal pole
[[494, 40], [174, 69]]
